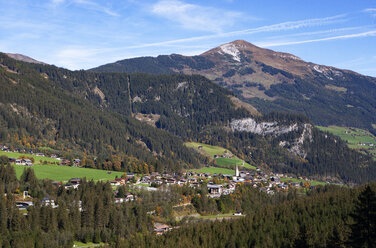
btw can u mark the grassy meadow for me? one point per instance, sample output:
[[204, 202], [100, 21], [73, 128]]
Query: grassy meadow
[[36, 158], [210, 151], [354, 136], [214, 170], [58, 172], [296, 180], [64, 173]]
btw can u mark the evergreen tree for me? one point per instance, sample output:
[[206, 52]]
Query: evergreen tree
[[363, 230]]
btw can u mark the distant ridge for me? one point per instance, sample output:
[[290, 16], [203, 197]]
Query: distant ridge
[[273, 81], [24, 58]]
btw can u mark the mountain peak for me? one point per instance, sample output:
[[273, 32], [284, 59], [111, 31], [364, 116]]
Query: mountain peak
[[232, 48], [24, 58]]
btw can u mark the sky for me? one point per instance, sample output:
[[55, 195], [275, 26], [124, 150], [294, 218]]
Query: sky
[[82, 34]]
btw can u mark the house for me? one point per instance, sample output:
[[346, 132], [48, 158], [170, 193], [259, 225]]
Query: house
[[48, 202], [229, 177], [56, 183], [296, 185], [130, 197], [4, 148], [75, 181], [39, 154], [77, 162], [19, 162], [182, 182], [114, 183], [215, 189], [71, 186], [192, 179], [238, 179], [65, 162], [119, 200], [190, 174], [194, 185], [243, 174], [130, 175], [275, 179], [170, 181], [23, 205], [28, 162], [154, 174], [120, 180], [12, 160], [160, 228]]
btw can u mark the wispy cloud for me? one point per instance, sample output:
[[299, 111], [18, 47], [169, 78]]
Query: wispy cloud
[[347, 36], [269, 28], [87, 4], [371, 11], [196, 17]]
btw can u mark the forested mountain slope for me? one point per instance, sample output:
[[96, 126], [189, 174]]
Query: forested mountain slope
[[35, 112], [273, 81], [93, 110]]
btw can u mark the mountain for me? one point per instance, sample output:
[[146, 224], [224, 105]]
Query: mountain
[[273, 81], [148, 117], [23, 58], [35, 112]]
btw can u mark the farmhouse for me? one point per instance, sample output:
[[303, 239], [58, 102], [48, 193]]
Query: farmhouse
[[77, 162], [20, 161], [215, 189], [160, 228], [28, 162], [65, 162]]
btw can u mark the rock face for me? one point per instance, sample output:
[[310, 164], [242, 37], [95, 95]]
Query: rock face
[[275, 129], [263, 128]]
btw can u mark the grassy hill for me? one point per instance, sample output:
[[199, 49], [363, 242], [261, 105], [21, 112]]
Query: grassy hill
[[64, 173], [36, 158], [56, 172], [210, 151], [215, 170], [356, 138]]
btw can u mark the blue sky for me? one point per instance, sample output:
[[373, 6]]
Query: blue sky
[[81, 34]]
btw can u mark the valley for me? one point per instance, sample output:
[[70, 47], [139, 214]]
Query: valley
[[171, 152]]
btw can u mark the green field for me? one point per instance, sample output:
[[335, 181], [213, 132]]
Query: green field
[[354, 136], [296, 180], [64, 173], [77, 244], [215, 170], [36, 158], [209, 150], [228, 162], [216, 150]]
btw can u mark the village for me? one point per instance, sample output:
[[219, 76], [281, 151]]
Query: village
[[216, 184]]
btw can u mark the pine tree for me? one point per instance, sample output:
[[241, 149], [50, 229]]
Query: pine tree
[[363, 230]]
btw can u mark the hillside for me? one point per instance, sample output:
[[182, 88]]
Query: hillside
[[37, 112], [358, 139], [273, 81], [148, 117]]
